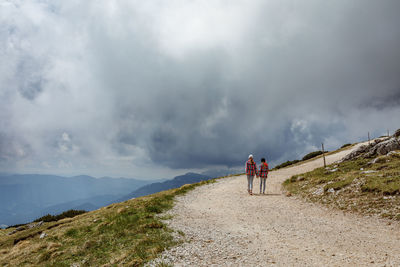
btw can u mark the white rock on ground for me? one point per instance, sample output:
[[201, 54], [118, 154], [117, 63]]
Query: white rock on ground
[[224, 226]]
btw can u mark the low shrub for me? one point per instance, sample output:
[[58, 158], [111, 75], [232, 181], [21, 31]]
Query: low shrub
[[65, 214], [345, 145], [312, 155], [287, 163]]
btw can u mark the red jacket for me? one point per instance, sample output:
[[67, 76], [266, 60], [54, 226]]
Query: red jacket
[[251, 168], [263, 170]]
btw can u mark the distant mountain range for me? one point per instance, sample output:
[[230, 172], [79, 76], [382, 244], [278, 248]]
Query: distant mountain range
[[178, 181], [24, 198]]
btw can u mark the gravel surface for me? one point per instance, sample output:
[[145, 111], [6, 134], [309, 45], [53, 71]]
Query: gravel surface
[[224, 226]]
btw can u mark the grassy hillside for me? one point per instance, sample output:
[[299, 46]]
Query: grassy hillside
[[358, 185], [128, 233]]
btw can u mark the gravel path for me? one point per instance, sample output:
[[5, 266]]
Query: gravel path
[[224, 226]]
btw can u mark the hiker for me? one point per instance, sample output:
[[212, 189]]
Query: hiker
[[251, 170], [263, 174]]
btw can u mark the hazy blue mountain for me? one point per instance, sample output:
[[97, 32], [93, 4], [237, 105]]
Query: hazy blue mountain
[[24, 198], [178, 181], [87, 204]]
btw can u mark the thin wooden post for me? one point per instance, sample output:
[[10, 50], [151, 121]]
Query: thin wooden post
[[323, 154], [368, 138]]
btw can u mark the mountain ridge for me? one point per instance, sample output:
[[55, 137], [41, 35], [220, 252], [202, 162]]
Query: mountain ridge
[[24, 197]]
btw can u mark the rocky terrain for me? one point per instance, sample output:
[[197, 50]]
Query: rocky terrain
[[377, 147]]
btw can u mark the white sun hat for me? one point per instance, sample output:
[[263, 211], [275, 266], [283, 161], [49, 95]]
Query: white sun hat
[[251, 155]]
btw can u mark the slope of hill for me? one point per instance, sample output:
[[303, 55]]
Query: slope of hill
[[367, 181], [128, 233]]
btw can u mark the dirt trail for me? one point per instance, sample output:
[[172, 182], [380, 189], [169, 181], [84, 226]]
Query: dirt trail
[[227, 227]]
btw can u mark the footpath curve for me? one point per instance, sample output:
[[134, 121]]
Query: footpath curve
[[224, 226]]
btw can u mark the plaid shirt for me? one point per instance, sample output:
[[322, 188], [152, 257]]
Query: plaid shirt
[[251, 168], [263, 170]]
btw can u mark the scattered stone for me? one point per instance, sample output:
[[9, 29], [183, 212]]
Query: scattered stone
[[12, 232], [288, 194], [33, 225], [388, 197], [318, 192], [42, 235], [369, 171], [18, 229], [334, 170], [331, 190], [378, 160]]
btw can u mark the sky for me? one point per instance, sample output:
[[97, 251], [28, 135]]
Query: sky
[[152, 89]]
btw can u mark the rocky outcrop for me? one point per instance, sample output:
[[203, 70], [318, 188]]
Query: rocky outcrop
[[389, 145], [25, 227], [397, 133], [378, 147]]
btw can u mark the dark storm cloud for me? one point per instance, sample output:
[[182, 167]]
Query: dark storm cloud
[[30, 80], [120, 87]]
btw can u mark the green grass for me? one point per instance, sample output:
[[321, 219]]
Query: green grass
[[339, 184], [385, 185], [129, 233], [354, 186]]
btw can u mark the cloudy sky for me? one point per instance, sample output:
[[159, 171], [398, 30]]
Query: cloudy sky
[[154, 88]]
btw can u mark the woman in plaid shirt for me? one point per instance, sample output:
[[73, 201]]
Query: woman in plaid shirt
[[251, 170], [263, 173]]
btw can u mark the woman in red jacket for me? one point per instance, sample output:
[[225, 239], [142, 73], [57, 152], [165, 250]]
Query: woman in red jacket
[[251, 170], [263, 173]]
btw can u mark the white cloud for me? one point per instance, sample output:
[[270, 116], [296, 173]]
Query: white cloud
[[143, 88]]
